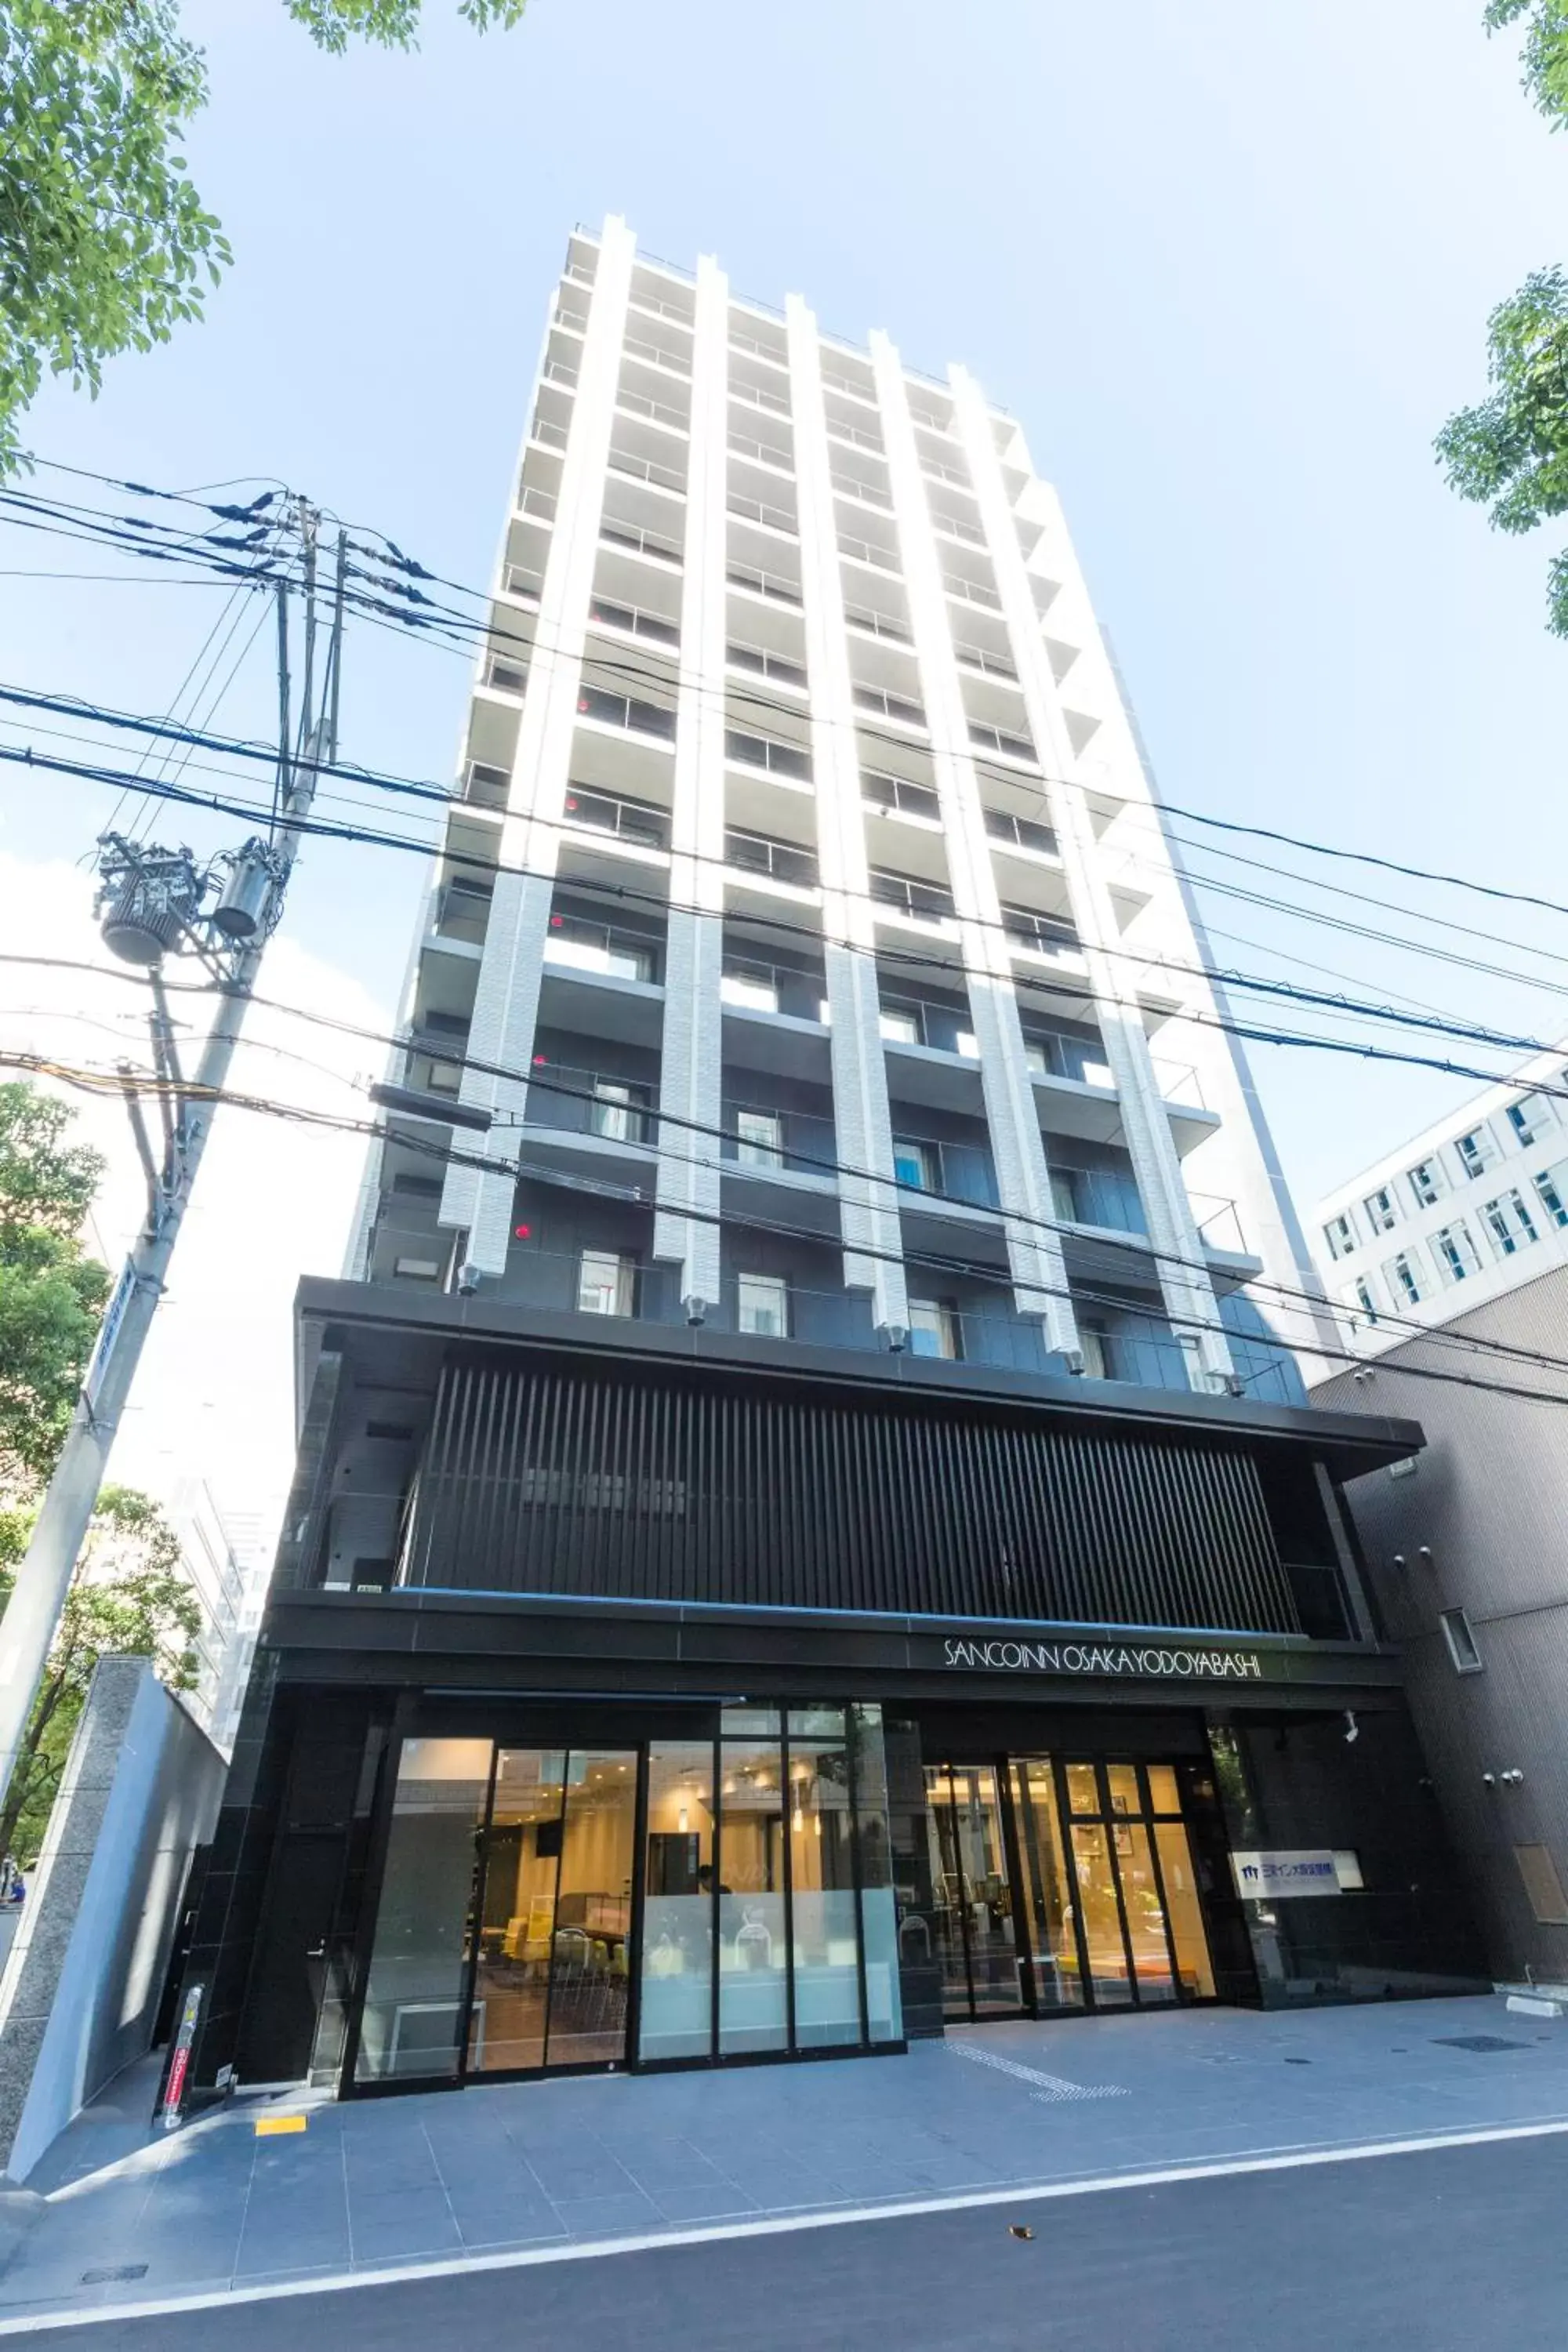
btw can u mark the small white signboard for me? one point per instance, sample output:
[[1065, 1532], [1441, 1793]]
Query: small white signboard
[[1266, 1878]]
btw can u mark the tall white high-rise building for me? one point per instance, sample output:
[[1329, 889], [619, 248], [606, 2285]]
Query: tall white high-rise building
[[805, 889]]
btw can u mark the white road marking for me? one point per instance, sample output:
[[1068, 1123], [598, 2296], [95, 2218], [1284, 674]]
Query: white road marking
[[1289, 2160], [1054, 2088]]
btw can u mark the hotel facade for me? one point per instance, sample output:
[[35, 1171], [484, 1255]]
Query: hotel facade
[[807, 1527]]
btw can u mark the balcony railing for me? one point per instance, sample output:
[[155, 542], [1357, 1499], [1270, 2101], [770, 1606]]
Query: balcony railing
[[996, 738], [742, 341], [625, 710], [962, 1172], [560, 371], [633, 620], [538, 502], [897, 794], [1097, 1196], [889, 705], [462, 911], [1021, 831], [640, 542], [645, 469], [850, 486], [763, 584], [1219, 1224], [762, 510], [856, 434], [548, 432], [957, 526], [657, 354], [766, 751], [766, 663], [973, 592], [861, 551], [755, 397], [641, 404], [831, 383], [1049, 935], [660, 309], [922, 902], [589, 1102], [880, 625], [521, 580], [980, 658], [761, 453], [784, 988], [935, 471], [602, 948], [781, 861], [484, 785], [506, 677], [637, 822], [804, 1145]]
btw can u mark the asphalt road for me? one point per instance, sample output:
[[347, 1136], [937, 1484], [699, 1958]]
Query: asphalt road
[[1454, 2250]]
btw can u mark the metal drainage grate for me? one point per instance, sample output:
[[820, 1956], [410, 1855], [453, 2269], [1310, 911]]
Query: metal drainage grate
[[1476, 2042], [120, 2271]]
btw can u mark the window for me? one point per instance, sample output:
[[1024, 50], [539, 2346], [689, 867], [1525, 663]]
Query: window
[[1380, 1213], [1460, 1635], [933, 1329], [1340, 1237], [605, 1283], [901, 1024], [1425, 1180], [618, 1110], [1528, 1117], [760, 1134], [918, 1164], [1455, 1252], [752, 985], [1402, 1279], [1094, 1346], [1476, 1151], [416, 1269], [764, 1306], [1508, 1222], [1361, 1296], [966, 1042], [1551, 1185]]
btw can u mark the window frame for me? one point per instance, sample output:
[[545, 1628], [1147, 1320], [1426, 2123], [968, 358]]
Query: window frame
[[948, 1327], [776, 1282], [625, 1284]]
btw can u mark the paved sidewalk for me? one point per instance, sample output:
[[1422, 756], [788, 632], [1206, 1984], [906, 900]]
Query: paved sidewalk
[[555, 2164]]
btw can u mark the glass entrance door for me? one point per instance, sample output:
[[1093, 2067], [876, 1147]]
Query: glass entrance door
[[555, 1903], [1060, 1885], [976, 1929]]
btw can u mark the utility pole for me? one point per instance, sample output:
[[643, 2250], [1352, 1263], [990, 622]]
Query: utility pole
[[153, 900]]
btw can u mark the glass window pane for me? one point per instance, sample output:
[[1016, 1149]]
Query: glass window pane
[[593, 1911], [1163, 1793], [677, 2019], [523, 1860], [947, 1889], [1185, 1910], [754, 2008], [762, 1305], [879, 1907], [1048, 1888], [414, 1998], [1101, 1914], [1083, 1789], [987, 1890], [823, 1904], [736, 1722], [1122, 1779], [1145, 1914]]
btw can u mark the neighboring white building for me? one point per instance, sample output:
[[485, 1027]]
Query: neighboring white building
[[836, 844], [1462, 1213]]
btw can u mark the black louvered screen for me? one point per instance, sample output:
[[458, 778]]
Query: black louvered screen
[[550, 1482]]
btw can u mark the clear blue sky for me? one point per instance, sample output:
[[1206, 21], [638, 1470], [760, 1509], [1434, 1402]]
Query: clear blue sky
[[1229, 264]]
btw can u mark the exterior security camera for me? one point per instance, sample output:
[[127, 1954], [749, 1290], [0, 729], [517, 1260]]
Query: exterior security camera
[[467, 1278]]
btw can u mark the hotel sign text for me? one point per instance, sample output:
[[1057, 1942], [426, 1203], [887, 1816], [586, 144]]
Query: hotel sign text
[[1115, 1658]]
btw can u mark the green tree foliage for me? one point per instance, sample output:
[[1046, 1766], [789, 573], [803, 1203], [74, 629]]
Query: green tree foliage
[[130, 1597], [105, 245], [51, 1295], [1545, 54], [1511, 451]]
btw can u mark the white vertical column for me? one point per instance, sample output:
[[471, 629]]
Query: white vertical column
[[1023, 1180], [868, 1211], [506, 1003], [686, 1226], [1184, 1283]]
